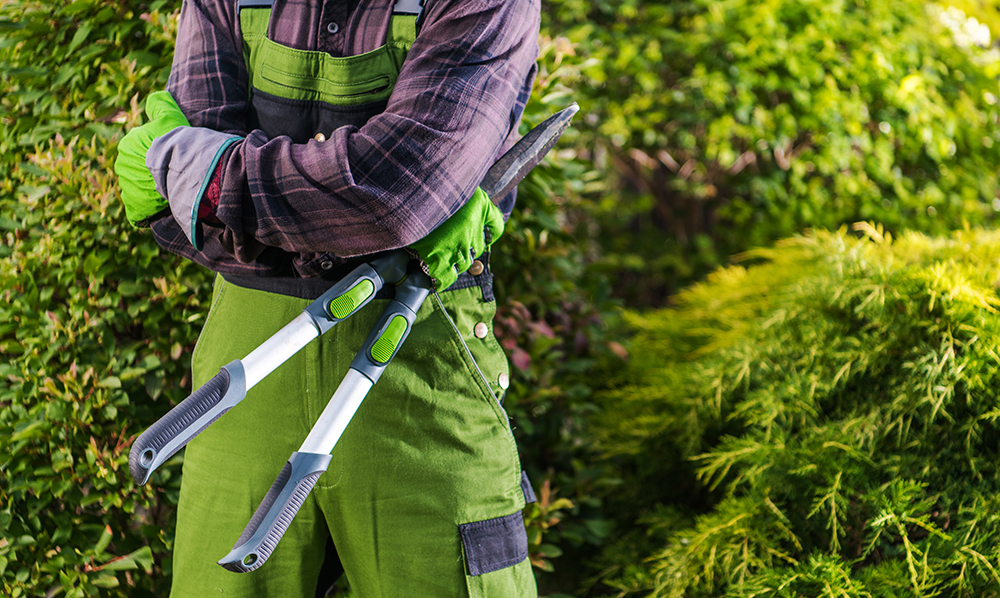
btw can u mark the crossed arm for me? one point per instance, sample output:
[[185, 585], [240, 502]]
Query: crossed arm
[[382, 186]]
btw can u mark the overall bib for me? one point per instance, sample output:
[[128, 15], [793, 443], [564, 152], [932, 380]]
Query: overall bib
[[423, 494]]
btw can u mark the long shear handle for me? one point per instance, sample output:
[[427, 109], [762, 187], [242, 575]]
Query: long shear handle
[[299, 474], [224, 391]]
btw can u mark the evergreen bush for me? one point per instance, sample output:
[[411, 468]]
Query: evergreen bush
[[821, 421]]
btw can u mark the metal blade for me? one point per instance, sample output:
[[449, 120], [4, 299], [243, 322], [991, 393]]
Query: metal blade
[[514, 165]]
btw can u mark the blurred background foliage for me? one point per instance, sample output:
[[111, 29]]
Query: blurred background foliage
[[817, 420], [727, 125]]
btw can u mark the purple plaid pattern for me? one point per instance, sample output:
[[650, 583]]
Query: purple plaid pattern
[[458, 99]]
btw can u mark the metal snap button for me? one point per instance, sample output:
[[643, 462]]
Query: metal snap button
[[326, 264], [481, 330], [320, 137], [476, 268], [333, 27]]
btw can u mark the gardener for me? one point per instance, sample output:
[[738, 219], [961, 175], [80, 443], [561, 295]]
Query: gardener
[[304, 137]]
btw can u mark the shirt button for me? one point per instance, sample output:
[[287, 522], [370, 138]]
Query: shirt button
[[481, 330], [476, 268], [320, 137], [333, 27], [503, 381], [326, 264]]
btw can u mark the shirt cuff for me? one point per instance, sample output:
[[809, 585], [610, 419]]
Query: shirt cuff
[[210, 200], [183, 164]]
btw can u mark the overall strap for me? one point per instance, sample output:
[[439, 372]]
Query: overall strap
[[406, 16], [409, 7], [253, 23], [267, 4]]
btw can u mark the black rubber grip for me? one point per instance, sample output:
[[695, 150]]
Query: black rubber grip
[[276, 512], [265, 505], [174, 430]]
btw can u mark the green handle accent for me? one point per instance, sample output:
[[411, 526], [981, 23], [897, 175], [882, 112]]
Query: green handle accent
[[342, 306], [388, 341]]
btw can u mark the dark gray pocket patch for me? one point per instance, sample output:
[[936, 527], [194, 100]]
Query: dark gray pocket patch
[[494, 544]]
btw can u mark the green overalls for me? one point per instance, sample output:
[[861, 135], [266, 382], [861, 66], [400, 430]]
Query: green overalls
[[423, 494]]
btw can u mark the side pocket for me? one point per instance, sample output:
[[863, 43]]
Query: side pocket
[[494, 544], [471, 325]]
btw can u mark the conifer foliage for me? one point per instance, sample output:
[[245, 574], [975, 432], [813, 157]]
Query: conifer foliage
[[822, 422]]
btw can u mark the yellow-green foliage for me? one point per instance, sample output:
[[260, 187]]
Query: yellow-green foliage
[[821, 422]]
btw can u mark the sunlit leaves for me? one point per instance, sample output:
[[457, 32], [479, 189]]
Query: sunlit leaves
[[837, 398], [733, 124], [96, 320]]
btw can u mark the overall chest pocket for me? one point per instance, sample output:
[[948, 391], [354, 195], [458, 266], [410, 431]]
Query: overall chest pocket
[[322, 88]]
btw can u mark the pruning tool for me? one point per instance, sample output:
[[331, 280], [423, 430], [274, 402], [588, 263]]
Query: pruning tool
[[224, 391]]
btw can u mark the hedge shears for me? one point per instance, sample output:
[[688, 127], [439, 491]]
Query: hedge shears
[[227, 388]]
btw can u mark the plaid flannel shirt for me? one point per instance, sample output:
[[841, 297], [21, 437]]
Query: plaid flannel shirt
[[454, 110]]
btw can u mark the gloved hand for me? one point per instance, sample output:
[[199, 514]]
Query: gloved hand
[[451, 247], [138, 189]]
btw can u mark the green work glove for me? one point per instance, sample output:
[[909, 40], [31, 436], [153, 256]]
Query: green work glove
[[138, 189], [451, 247]]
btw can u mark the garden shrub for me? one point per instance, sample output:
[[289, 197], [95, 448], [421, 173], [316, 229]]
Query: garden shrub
[[723, 126], [72, 68], [95, 339], [97, 324], [551, 321], [821, 421]]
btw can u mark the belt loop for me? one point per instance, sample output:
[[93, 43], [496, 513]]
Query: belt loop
[[485, 279]]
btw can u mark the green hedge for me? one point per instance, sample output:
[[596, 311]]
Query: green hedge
[[97, 324], [821, 422], [95, 343]]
